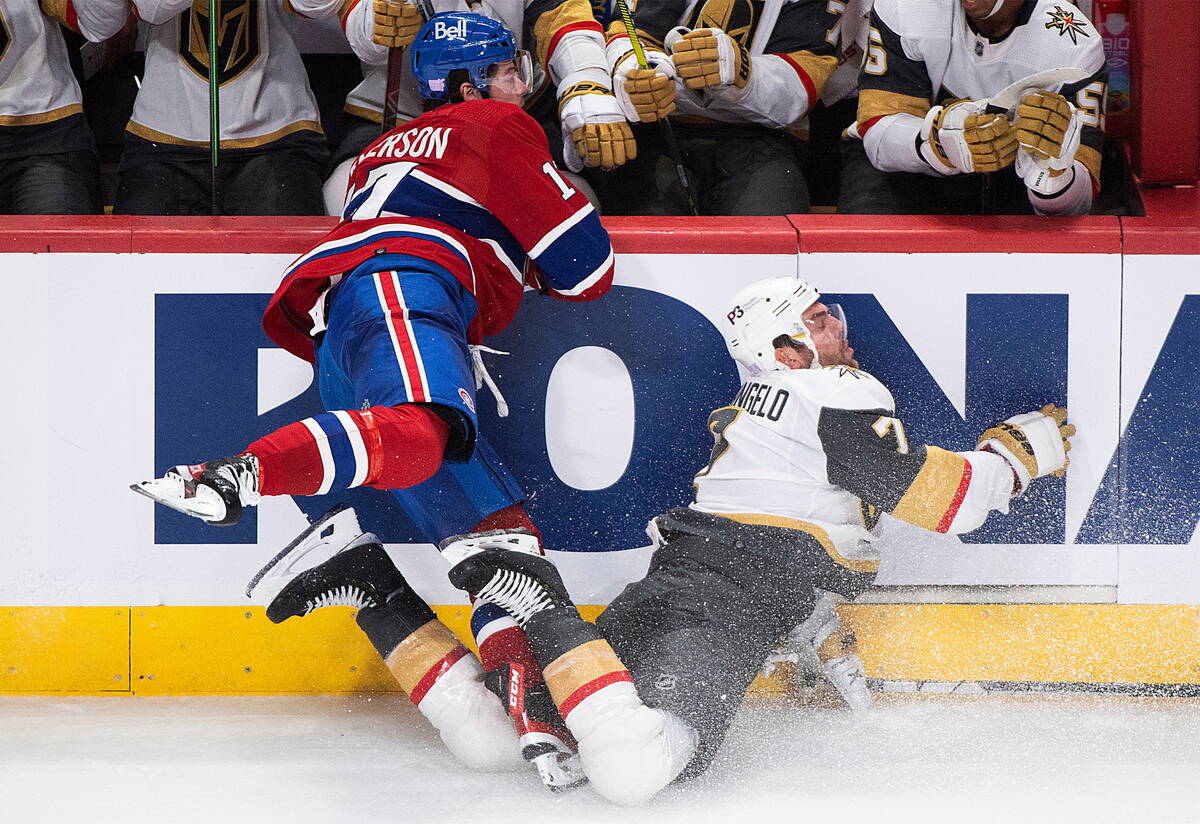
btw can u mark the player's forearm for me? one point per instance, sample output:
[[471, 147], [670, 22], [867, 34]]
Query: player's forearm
[[97, 20], [160, 11], [891, 143], [358, 23], [1074, 199], [780, 93]]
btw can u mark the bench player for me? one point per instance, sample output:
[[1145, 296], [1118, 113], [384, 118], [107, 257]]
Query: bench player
[[923, 142]]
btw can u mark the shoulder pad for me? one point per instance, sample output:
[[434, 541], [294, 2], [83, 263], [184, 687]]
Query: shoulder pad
[[916, 18], [1067, 37], [839, 387]]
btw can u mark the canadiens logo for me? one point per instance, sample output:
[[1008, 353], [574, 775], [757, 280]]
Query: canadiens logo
[[466, 398], [1067, 23]]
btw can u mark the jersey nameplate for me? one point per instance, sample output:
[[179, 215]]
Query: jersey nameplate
[[762, 400]]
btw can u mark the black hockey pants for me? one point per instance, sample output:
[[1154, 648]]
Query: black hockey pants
[[717, 598]]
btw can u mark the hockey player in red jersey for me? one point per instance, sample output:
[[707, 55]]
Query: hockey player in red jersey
[[805, 457], [449, 217]]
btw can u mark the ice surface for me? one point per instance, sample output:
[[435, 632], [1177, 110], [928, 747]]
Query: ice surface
[[301, 759]]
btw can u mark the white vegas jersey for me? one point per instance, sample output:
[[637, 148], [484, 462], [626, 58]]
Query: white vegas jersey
[[36, 82], [824, 448], [925, 52], [568, 45], [264, 92]]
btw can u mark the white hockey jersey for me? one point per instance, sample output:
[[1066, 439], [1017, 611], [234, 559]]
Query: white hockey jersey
[[552, 23], [264, 92], [924, 52], [36, 83], [822, 451], [792, 46]]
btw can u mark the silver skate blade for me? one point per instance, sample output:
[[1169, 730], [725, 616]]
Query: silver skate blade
[[171, 491], [459, 547], [560, 771], [335, 529]]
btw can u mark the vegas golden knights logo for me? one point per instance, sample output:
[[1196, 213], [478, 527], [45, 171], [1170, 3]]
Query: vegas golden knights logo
[[734, 17], [5, 37], [237, 38]]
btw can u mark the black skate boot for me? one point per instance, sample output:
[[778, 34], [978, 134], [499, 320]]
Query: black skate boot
[[506, 568], [214, 491]]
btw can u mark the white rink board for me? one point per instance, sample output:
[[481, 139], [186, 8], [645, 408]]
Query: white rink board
[[81, 423]]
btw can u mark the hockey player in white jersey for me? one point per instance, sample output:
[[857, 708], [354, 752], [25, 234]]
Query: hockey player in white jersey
[[926, 140], [738, 79], [273, 152], [572, 97], [805, 457], [48, 159]]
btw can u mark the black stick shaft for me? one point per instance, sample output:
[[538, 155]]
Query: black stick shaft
[[214, 106]]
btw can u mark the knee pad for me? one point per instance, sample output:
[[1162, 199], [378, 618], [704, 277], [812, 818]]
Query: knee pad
[[471, 720], [628, 750]]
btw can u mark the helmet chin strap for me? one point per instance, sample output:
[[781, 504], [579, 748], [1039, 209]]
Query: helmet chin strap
[[995, 9]]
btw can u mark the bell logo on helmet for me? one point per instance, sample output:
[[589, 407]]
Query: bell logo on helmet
[[455, 30]]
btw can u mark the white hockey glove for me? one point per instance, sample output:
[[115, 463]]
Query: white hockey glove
[[644, 95], [706, 58], [396, 23], [595, 132], [1049, 128], [1034, 445], [961, 138]]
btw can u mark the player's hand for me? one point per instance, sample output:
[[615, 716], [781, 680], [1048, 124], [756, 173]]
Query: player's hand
[[644, 95], [961, 137], [595, 132], [706, 58], [1034, 444], [1048, 129], [396, 23]]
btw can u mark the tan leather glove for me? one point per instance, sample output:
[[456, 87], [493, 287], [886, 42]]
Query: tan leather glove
[[710, 57], [396, 23]]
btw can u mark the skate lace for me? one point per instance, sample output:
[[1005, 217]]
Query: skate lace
[[519, 595], [343, 596], [243, 472]]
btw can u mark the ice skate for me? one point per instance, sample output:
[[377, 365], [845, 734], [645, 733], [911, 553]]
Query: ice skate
[[506, 569], [332, 563], [215, 491], [823, 647]]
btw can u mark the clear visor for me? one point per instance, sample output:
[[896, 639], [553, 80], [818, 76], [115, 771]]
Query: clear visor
[[835, 311], [512, 76]]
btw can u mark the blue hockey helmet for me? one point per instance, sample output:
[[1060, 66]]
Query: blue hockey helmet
[[462, 40]]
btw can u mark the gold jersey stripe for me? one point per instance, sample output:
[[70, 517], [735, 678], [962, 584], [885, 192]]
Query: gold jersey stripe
[[874, 103], [43, 117], [549, 23], [818, 67], [56, 9], [1091, 158], [418, 653], [855, 565], [932, 493], [580, 666], [147, 133]]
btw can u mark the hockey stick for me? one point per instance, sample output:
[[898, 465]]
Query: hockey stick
[[214, 107], [664, 125], [395, 71], [1005, 100]]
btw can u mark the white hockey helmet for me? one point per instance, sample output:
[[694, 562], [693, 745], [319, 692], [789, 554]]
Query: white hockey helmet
[[762, 312]]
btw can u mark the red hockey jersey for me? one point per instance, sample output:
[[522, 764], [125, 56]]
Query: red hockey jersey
[[471, 188]]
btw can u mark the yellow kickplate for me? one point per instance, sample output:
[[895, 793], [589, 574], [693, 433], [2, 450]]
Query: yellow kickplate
[[179, 650], [64, 649], [1065, 643]]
